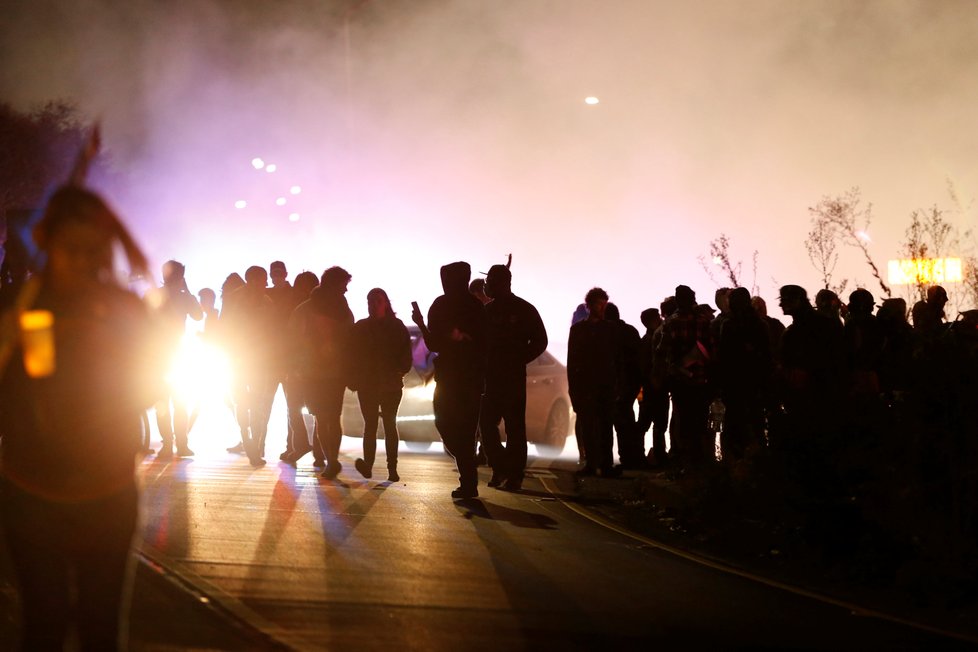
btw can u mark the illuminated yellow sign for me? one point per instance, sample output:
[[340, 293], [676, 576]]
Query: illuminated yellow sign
[[924, 271]]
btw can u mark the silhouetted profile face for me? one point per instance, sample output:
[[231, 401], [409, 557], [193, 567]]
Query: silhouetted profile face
[[792, 298], [378, 304], [596, 301], [937, 296], [207, 298]]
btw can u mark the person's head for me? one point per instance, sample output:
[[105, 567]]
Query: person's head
[[893, 310], [335, 279], [207, 298], [685, 298], [378, 304], [477, 288], [861, 302], [231, 283], [304, 284], [828, 303], [455, 278], [77, 233], [923, 317], [499, 281], [937, 297], [705, 311], [651, 318], [173, 273], [611, 312], [596, 301], [256, 277], [278, 273], [720, 297], [738, 301], [760, 306], [793, 299], [580, 313], [667, 307]]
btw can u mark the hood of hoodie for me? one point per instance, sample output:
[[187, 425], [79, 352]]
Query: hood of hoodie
[[455, 278]]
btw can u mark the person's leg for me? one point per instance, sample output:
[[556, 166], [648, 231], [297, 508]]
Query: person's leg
[[514, 414], [388, 411], [181, 426], [456, 418], [331, 431], [104, 572], [297, 443], [34, 533], [490, 416], [165, 425], [370, 410]]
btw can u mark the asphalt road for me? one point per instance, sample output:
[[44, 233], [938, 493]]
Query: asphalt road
[[236, 558], [305, 563]]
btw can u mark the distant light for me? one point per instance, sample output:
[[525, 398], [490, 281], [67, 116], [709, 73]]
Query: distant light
[[271, 167], [717, 260], [257, 163], [592, 100], [240, 204], [295, 190], [862, 235], [280, 201], [925, 271], [293, 217]]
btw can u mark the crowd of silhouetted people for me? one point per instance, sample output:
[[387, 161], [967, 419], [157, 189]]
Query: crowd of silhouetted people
[[859, 420]]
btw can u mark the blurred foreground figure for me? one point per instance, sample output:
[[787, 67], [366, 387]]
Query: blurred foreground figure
[[70, 418]]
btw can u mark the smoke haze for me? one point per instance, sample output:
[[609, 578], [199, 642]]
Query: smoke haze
[[422, 132]]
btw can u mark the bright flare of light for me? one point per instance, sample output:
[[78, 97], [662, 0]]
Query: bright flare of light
[[257, 163], [926, 271], [200, 373], [717, 260], [592, 100], [280, 201], [271, 167], [862, 235], [295, 190], [240, 203], [293, 217]]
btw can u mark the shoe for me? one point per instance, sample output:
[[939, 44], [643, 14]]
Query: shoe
[[164, 453], [258, 462], [392, 475], [184, 452], [361, 466], [331, 471], [512, 485], [286, 456], [497, 479], [465, 493], [319, 464], [237, 448]]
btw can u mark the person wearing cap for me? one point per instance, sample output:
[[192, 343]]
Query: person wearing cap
[[515, 337], [864, 344]]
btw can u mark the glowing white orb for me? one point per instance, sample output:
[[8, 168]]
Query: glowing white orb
[[592, 100], [240, 203], [271, 167], [280, 201], [862, 235], [293, 217], [257, 163], [295, 190]]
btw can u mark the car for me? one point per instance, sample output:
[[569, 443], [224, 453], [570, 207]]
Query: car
[[548, 408]]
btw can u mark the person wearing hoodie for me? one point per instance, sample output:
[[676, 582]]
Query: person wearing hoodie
[[516, 336], [381, 348], [456, 331], [320, 329]]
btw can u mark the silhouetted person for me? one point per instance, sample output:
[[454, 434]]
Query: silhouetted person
[[284, 302], [247, 321], [174, 303], [631, 446], [743, 364], [208, 305], [516, 337], [653, 409], [896, 359], [829, 304], [592, 379], [864, 344], [298, 443], [775, 329], [685, 352], [721, 298], [381, 347], [322, 328], [456, 331], [71, 431]]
